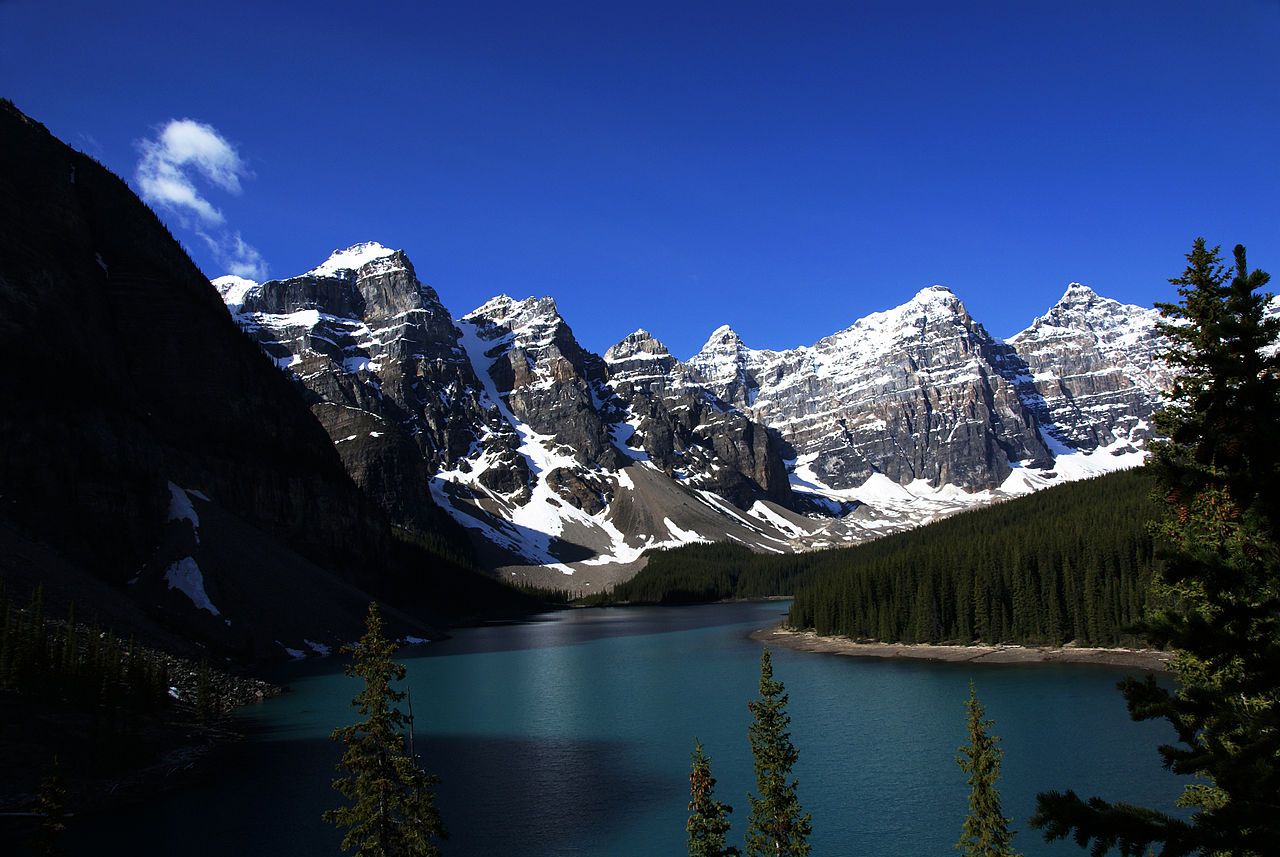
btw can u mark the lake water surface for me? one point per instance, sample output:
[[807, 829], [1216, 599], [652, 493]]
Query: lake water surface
[[571, 735]]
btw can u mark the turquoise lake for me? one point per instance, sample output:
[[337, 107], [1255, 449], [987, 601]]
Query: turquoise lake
[[571, 735]]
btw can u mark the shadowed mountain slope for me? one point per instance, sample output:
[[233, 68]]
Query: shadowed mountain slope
[[151, 445]]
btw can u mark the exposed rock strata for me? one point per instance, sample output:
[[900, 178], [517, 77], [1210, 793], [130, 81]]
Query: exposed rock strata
[[534, 443]]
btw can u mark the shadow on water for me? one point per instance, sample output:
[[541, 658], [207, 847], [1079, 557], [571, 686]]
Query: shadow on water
[[585, 625], [505, 795], [548, 748], [537, 797]]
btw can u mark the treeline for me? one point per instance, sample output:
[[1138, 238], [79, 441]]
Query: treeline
[[83, 665], [696, 574], [1070, 563]]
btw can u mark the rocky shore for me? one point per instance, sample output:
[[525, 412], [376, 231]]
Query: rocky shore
[[156, 750], [807, 641]]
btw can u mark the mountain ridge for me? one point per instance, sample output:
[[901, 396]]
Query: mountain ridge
[[903, 416]]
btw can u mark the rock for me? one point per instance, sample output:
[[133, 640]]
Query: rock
[[550, 382], [505, 407], [583, 491], [1090, 369], [913, 393]]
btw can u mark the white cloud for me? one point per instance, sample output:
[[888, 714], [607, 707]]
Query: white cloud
[[235, 255], [185, 152]]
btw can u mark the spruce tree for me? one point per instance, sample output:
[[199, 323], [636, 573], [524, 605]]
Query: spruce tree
[[708, 817], [392, 810], [777, 826], [985, 832], [1220, 585], [51, 806]]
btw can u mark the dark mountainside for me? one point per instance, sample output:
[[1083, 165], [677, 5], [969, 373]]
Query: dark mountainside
[[158, 469]]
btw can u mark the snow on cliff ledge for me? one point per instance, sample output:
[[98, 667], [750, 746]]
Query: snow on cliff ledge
[[351, 259]]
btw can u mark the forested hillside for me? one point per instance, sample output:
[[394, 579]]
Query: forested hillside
[[696, 574], [1071, 563]]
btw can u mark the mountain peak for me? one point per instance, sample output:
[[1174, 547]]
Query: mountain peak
[[640, 343], [508, 312], [352, 258], [496, 305], [1113, 325], [1077, 293], [233, 289], [932, 302], [723, 337], [934, 292], [933, 297]]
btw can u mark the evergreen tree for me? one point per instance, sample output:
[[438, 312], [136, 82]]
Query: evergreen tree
[[1220, 587], [777, 826], [392, 811], [51, 806], [985, 832], [708, 817]]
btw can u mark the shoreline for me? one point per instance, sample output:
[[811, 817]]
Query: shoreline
[[175, 745], [808, 641]]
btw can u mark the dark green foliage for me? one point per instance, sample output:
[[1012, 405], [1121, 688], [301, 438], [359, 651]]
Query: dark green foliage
[[546, 595], [1070, 563], [448, 542], [51, 806], [429, 577], [777, 826], [696, 574], [81, 665], [392, 810], [708, 817], [1220, 586], [985, 832]]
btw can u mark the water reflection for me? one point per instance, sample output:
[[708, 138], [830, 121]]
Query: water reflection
[[577, 626]]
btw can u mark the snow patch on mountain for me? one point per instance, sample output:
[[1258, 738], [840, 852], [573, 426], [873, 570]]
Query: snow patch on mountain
[[352, 258], [233, 290], [181, 509], [536, 522], [184, 576]]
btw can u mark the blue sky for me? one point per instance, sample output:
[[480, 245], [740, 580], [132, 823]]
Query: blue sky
[[783, 168]]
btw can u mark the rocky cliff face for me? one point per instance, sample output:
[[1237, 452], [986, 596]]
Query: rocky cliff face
[[500, 419], [914, 393], [550, 383], [689, 433], [380, 356], [1088, 369]]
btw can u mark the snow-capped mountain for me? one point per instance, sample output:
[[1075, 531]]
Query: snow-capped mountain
[[381, 358], [504, 421], [1089, 372], [913, 393], [558, 458]]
